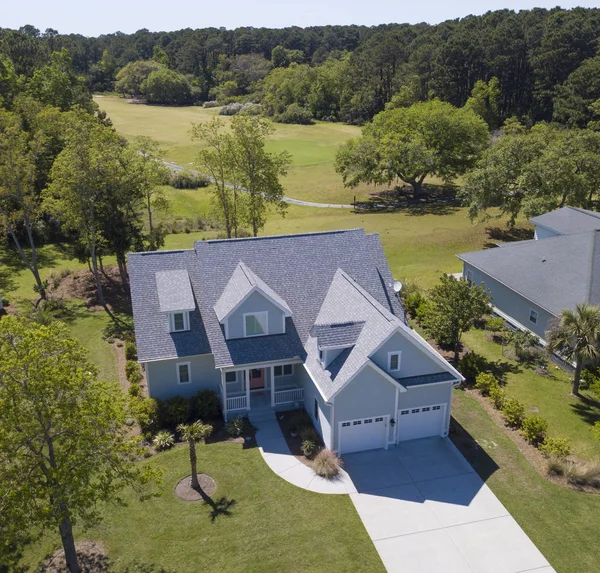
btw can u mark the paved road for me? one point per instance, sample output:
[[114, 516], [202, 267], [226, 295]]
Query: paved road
[[289, 200]]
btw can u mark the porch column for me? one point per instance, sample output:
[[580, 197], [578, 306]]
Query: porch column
[[224, 394], [247, 389], [272, 386]]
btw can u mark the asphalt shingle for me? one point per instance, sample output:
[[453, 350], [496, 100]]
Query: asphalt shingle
[[174, 291], [569, 220]]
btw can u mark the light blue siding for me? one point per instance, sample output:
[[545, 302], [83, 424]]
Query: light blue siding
[[256, 302], [323, 423], [512, 303], [428, 395], [413, 361], [162, 377], [544, 233]]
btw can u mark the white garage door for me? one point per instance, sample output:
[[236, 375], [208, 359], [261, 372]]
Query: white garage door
[[423, 422], [360, 435]]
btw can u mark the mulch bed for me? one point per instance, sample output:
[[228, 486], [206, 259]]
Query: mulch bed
[[91, 557], [295, 419], [184, 490]]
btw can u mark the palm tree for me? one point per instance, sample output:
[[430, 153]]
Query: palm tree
[[193, 433], [575, 337]]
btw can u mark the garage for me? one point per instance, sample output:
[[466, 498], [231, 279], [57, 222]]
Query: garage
[[421, 422], [363, 434]]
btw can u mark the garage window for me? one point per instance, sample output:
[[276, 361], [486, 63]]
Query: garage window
[[379, 419], [404, 413], [437, 407], [357, 423], [369, 421], [345, 424], [426, 409], [415, 411]]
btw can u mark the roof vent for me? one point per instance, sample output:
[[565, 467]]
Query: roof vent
[[543, 260]]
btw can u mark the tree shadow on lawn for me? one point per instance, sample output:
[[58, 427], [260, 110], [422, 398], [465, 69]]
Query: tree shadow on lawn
[[587, 409], [219, 508], [509, 235], [483, 464]]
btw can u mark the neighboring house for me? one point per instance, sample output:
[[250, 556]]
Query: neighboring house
[[531, 282], [278, 322]]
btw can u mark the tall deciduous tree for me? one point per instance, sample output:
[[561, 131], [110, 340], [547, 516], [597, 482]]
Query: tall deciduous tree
[[192, 434], [452, 309], [576, 337], [408, 144], [63, 441]]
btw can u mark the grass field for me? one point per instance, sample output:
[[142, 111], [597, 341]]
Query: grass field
[[311, 177], [272, 526]]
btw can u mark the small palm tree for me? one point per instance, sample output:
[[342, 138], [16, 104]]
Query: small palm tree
[[193, 433], [576, 337]]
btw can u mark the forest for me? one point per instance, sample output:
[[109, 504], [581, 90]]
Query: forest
[[545, 62]]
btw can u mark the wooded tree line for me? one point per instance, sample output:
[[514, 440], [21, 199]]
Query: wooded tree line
[[545, 62]]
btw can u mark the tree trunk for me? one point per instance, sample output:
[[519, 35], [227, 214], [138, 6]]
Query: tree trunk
[[149, 213], [456, 354], [96, 272], [195, 483], [32, 268], [35, 270], [123, 270], [577, 378], [68, 541]]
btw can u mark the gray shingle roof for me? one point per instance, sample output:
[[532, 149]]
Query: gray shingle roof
[[554, 273], [242, 282], [338, 335], [426, 379], [174, 291], [569, 220]]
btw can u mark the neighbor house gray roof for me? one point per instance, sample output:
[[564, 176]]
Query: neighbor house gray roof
[[338, 335], [554, 273], [297, 268], [243, 282], [174, 291], [569, 220]]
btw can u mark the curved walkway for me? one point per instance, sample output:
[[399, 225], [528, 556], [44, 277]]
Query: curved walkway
[[289, 200], [277, 455]]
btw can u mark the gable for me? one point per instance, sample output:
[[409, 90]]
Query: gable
[[255, 303]]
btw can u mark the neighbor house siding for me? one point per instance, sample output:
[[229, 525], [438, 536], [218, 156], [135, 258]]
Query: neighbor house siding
[[256, 302], [544, 233], [413, 361], [512, 303], [162, 376], [427, 395], [324, 422]]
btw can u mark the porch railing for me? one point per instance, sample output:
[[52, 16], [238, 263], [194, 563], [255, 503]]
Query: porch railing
[[237, 403], [287, 396]]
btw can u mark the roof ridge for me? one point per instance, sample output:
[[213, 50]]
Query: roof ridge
[[588, 212], [281, 236], [249, 275], [371, 300]]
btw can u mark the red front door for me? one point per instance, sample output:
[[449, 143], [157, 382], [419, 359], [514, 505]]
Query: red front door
[[257, 378]]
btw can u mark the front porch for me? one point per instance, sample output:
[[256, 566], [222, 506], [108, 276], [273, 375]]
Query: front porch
[[261, 387]]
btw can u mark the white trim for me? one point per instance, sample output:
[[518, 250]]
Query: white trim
[[282, 375], [186, 320], [266, 324], [537, 315], [312, 378], [444, 430], [226, 327], [283, 317], [189, 367], [254, 289], [396, 415], [173, 358], [397, 353], [260, 364], [386, 421], [231, 372]]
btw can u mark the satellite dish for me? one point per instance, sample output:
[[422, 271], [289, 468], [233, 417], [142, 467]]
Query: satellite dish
[[397, 286]]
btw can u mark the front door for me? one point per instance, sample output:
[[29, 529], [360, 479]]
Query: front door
[[257, 378]]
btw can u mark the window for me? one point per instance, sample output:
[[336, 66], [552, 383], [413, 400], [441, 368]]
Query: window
[[415, 411], [437, 407], [255, 324], [321, 356], [404, 412], [345, 424], [533, 316], [379, 419], [357, 423], [316, 409], [230, 376], [393, 361], [179, 321], [469, 277], [369, 421], [183, 373], [284, 370]]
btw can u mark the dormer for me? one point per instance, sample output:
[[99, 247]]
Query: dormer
[[333, 339], [248, 307], [175, 298]]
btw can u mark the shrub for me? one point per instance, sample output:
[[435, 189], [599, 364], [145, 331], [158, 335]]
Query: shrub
[[295, 114], [238, 426], [525, 345], [589, 379], [231, 108], [495, 324], [514, 412], [145, 412], [163, 441], [134, 390], [308, 448], [172, 412], [130, 351], [498, 397], [5, 301], [187, 180], [327, 464], [206, 405], [132, 370], [583, 474], [308, 433], [471, 365], [412, 302], [209, 104], [485, 383], [534, 429], [555, 447]]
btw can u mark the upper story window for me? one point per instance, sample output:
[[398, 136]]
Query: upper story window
[[533, 316], [284, 370], [179, 321], [394, 361], [256, 323], [184, 373], [469, 277]]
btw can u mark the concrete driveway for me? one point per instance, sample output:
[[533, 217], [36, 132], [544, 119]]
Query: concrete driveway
[[427, 511]]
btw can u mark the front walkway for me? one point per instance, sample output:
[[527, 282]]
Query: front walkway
[[422, 504]]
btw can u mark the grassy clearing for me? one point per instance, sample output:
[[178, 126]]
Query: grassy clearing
[[312, 176], [547, 396], [561, 522], [272, 526]]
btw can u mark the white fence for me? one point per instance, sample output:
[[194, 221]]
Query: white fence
[[287, 396], [237, 403]]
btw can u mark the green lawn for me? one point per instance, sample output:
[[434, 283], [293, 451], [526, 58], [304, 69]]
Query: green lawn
[[561, 522], [272, 526], [547, 396]]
